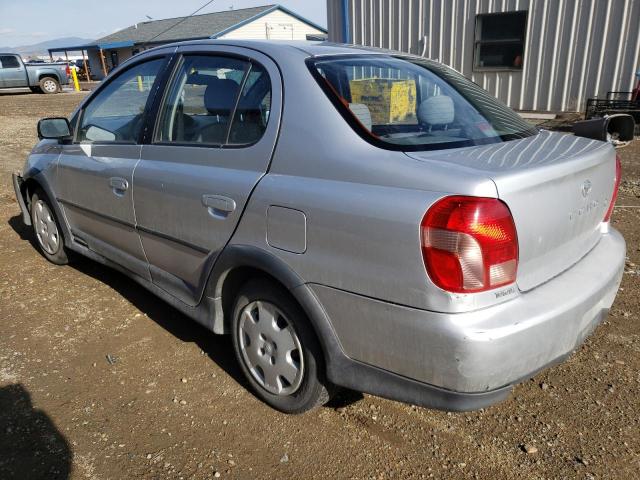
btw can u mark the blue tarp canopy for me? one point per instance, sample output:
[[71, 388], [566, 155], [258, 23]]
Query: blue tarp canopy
[[90, 46], [73, 48], [106, 46]]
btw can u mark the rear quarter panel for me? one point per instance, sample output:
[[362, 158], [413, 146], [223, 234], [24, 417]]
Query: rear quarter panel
[[363, 205], [57, 71]]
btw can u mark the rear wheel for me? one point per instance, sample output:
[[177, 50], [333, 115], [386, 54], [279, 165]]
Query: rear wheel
[[49, 85], [277, 349], [47, 229]]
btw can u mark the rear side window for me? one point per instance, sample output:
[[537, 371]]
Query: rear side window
[[215, 101], [9, 61], [403, 105], [115, 114], [254, 105]]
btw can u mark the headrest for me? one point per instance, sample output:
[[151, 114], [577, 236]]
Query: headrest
[[200, 79], [220, 96], [437, 110], [362, 113]]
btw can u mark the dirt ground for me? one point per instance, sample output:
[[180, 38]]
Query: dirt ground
[[101, 380]]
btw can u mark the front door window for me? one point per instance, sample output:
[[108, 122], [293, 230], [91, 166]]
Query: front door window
[[116, 113]]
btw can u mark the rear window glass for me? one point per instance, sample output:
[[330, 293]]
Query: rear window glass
[[422, 105]]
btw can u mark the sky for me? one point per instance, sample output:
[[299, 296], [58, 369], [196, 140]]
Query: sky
[[25, 22]]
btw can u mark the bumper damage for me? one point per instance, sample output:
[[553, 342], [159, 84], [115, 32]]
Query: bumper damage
[[485, 352]]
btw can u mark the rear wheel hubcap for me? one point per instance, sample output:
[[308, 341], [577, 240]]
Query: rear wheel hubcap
[[270, 348]]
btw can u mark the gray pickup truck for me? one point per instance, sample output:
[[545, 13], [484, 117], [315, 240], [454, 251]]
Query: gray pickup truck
[[39, 77]]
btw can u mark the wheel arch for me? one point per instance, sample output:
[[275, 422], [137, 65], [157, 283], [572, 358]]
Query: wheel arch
[[240, 263], [28, 186], [49, 75]]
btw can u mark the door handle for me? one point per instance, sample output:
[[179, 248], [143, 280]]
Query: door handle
[[118, 185], [219, 206]]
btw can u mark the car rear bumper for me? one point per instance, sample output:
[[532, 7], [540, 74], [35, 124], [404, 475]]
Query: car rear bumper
[[486, 351], [17, 187]]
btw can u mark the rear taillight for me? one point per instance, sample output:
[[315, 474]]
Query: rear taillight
[[469, 244], [68, 70], [616, 186]]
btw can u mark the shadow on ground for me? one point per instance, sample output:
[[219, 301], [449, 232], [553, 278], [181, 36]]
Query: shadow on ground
[[31, 447], [218, 347], [16, 92]]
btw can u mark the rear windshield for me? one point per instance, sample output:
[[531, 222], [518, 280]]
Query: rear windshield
[[415, 105]]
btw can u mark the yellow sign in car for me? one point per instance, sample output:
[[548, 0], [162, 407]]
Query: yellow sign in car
[[389, 100]]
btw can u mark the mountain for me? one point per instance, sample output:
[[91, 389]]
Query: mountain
[[41, 48]]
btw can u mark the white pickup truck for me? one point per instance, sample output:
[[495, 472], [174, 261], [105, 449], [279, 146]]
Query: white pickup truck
[[39, 77]]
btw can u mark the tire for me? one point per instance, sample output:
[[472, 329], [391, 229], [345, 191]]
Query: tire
[[46, 229], [49, 85], [35, 89], [302, 386]]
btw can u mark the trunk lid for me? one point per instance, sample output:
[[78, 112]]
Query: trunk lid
[[558, 188]]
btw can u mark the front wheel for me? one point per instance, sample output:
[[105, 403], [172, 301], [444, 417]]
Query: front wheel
[[49, 85], [277, 349], [47, 229]]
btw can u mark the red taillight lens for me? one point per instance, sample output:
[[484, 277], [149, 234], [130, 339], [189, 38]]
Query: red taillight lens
[[469, 244], [616, 186]]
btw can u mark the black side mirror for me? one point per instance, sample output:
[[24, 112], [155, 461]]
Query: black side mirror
[[620, 126], [57, 128]]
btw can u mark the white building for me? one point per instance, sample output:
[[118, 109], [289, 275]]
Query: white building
[[534, 55], [265, 22]]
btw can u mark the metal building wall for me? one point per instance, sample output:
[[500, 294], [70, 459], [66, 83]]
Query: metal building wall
[[574, 49]]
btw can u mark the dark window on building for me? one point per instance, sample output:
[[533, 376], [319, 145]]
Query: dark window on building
[[500, 40]]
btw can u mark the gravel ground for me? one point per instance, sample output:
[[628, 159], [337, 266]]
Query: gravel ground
[[99, 379]]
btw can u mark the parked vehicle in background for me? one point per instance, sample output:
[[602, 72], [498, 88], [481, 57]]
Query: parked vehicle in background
[[82, 70], [351, 217], [39, 77], [615, 103]]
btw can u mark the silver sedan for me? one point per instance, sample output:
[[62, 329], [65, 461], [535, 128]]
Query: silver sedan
[[351, 217]]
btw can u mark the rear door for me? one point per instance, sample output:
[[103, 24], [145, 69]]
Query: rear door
[[95, 172], [213, 140], [13, 73]]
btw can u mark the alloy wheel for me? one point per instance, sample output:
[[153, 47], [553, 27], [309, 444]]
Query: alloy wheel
[[50, 86]]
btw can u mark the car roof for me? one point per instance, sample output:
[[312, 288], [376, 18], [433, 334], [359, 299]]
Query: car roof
[[309, 48]]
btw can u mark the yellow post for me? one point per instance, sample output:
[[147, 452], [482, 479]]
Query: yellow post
[[140, 86], [76, 85]]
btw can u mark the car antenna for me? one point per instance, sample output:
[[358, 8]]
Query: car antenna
[[176, 24]]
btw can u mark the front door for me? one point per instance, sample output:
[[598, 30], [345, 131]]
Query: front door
[[213, 141], [95, 173], [13, 73]]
